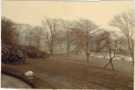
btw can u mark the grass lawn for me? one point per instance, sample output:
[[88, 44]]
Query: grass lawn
[[60, 71]]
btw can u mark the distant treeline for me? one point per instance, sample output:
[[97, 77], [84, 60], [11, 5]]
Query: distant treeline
[[73, 37]]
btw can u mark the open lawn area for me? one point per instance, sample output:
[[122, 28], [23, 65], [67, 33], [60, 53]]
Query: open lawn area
[[61, 71]]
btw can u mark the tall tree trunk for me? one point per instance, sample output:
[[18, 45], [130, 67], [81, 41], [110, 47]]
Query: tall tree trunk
[[110, 59], [131, 48], [51, 47], [111, 63], [87, 52], [51, 51], [68, 49], [68, 44], [87, 48], [133, 51], [87, 57]]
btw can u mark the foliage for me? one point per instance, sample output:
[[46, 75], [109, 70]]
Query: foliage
[[8, 31]]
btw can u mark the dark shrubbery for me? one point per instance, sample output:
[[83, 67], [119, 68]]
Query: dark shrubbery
[[18, 54], [11, 55], [32, 52]]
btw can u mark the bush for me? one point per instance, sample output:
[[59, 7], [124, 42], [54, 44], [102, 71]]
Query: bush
[[12, 55], [33, 52]]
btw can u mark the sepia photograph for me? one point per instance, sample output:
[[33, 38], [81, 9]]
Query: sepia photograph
[[67, 44]]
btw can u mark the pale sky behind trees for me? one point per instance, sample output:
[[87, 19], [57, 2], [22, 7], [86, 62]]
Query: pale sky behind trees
[[32, 12]]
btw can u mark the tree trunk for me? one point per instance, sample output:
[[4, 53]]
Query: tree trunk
[[110, 59], [131, 48], [87, 48], [68, 47], [106, 64], [111, 63], [51, 51], [51, 48], [133, 51], [87, 57], [68, 50]]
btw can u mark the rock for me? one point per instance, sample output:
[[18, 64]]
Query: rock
[[29, 74]]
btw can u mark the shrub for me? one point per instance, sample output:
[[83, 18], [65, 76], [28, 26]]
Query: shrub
[[33, 52], [12, 55]]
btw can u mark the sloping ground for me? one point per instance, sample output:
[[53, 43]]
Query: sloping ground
[[17, 72], [58, 72], [12, 82]]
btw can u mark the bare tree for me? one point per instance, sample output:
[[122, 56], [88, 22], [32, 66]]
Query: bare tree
[[24, 34], [126, 23], [83, 35], [112, 47], [69, 41], [52, 27], [37, 34], [68, 36], [106, 42]]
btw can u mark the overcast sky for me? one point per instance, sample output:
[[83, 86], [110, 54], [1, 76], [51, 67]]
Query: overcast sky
[[32, 12]]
